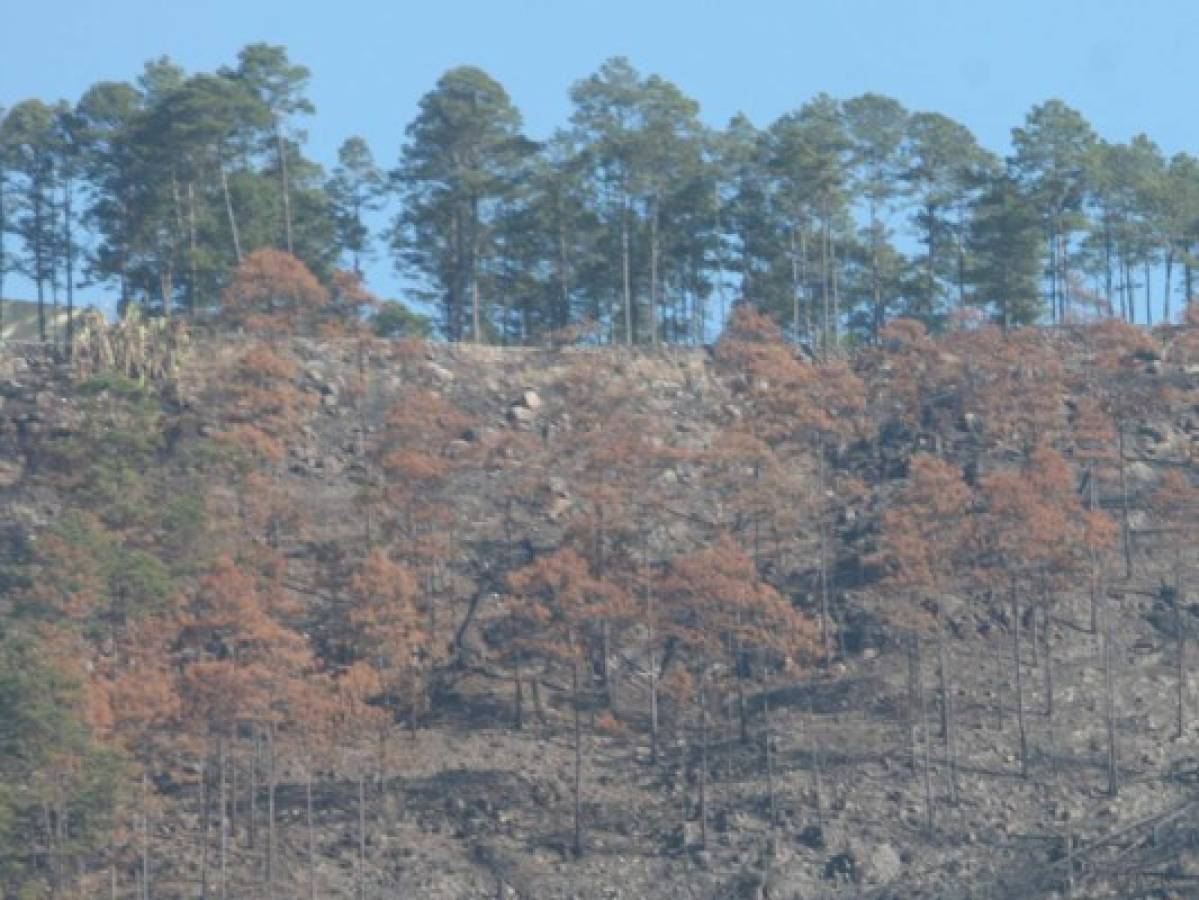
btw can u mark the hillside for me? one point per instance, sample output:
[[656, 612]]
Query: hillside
[[455, 621]]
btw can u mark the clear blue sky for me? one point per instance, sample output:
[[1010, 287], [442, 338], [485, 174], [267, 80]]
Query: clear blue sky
[[1128, 66]]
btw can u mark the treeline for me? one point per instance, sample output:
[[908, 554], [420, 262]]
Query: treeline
[[633, 220]]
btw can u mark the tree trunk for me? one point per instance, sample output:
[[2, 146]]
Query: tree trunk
[[563, 317], [69, 250], [578, 785], [824, 286], [625, 275], [809, 322], [1107, 264], [1181, 625], [1020, 725], [1093, 503], [1148, 295], [767, 741], [252, 830], [1053, 274], [1034, 641], [232, 793], [230, 215], [703, 763], [834, 276], [222, 761], [270, 812], [876, 284], [653, 275], [3, 246], [959, 240], [145, 837], [742, 708], [947, 721], [1109, 704], [817, 780], [1166, 310], [475, 316], [39, 267], [914, 691], [1048, 637], [930, 264], [653, 683], [361, 835], [1125, 526], [204, 826], [310, 827], [193, 278], [826, 638], [1064, 257], [928, 760], [795, 287], [606, 654], [285, 187], [518, 699]]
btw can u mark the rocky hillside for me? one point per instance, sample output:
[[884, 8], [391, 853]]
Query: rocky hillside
[[449, 621]]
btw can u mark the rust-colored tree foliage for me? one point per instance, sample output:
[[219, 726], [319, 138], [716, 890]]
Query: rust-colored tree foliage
[[925, 539], [243, 662], [924, 547], [264, 407], [1032, 540], [560, 603], [1118, 375], [349, 304], [274, 293], [723, 616], [804, 414], [388, 630]]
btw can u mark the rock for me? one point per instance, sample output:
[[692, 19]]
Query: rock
[[440, 374], [1140, 473], [11, 471], [521, 415], [880, 865], [686, 835], [558, 507]]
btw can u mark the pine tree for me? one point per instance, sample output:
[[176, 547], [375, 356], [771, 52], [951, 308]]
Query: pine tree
[[464, 152], [355, 191], [877, 126], [29, 139], [1005, 251], [1052, 149]]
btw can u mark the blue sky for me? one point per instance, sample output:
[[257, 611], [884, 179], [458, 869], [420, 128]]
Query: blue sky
[[1129, 67]]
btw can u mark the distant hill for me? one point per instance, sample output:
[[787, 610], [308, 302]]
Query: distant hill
[[20, 320]]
